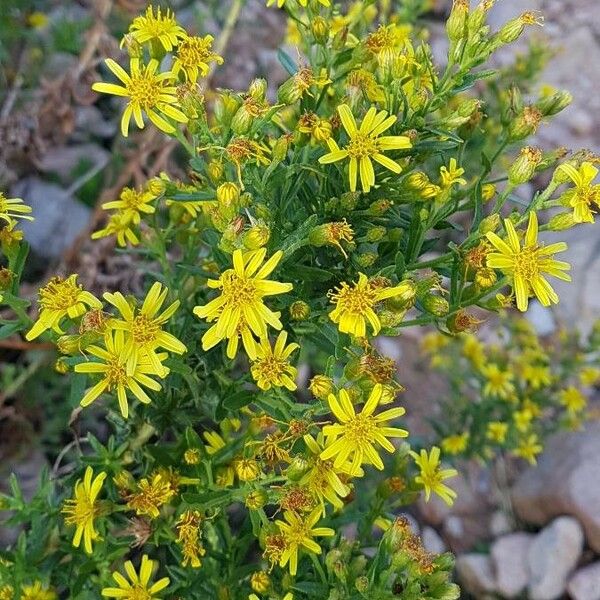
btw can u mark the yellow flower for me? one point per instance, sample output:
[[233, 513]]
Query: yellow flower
[[37, 591], [37, 20], [355, 304], [357, 436], [496, 431], [572, 399], [366, 143], [132, 202], [589, 375], [147, 93], [162, 28], [150, 495], [82, 509], [239, 309], [432, 476], [188, 536], [322, 478], [271, 367], [499, 383], [455, 444], [298, 533], [193, 55], [537, 376], [143, 327], [527, 266], [13, 208], [119, 225], [58, 299], [451, 175], [113, 368], [529, 448], [138, 587], [247, 469], [522, 419], [215, 442], [584, 194], [303, 3]]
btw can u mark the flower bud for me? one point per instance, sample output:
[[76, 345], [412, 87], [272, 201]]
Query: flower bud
[[256, 237], [485, 278], [362, 584], [561, 222], [242, 120], [523, 169], [298, 468], [260, 582], [289, 91], [226, 105], [560, 176], [417, 180], [435, 305], [258, 89], [192, 456], [488, 191], [555, 103], [380, 207], [321, 386], [375, 234], [256, 499], [512, 30], [477, 17], [524, 124], [228, 193], [215, 170], [60, 366], [366, 259], [299, 311], [280, 148], [489, 223], [6, 279], [456, 25], [406, 297], [320, 30], [348, 201]]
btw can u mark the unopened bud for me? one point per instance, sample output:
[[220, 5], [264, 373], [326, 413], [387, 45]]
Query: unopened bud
[[321, 386], [488, 191], [523, 169], [489, 223], [555, 103], [362, 584], [456, 25], [242, 120], [375, 234], [258, 89], [366, 259], [512, 30], [215, 170], [280, 148], [485, 278], [380, 207], [320, 30], [561, 222], [61, 366], [299, 311], [260, 582], [228, 193], [405, 298], [256, 237], [435, 305], [256, 499], [298, 468], [226, 105]]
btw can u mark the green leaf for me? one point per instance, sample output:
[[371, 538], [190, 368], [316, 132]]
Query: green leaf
[[287, 62], [238, 400], [9, 329], [214, 499], [400, 263]]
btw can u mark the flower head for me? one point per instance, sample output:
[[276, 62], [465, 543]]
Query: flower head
[[160, 27], [58, 299], [151, 493], [527, 265], [13, 208], [193, 57], [529, 447], [455, 444], [139, 586], [366, 143], [496, 431], [143, 327], [82, 509], [298, 533], [354, 305], [584, 195], [148, 93], [356, 436], [499, 383], [132, 202], [37, 591], [272, 367], [451, 175], [239, 310], [118, 374], [432, 476], [121, 226]]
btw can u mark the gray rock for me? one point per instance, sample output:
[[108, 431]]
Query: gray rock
[[89, 121], [585, 584], [566, 481], [552, 556], [59, 218], [476, 574], [509, 558], [500, 523], [432, 542], [66, 161]]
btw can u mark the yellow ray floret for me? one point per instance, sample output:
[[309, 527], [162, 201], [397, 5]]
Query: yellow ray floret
[[365, 144], [527, 265], [239, 310], [432, 476], [584, 195], [161, 28], [357, 436], [148, 92], [13, 208], [193, 57], [139, 586], [298, 533], [82, 509]]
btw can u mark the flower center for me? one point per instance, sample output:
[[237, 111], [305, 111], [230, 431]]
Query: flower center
[[59, 294], [355, 300], [144, 90], [238, 291], [116, 374], [144, 330], [138, 592], [297, 533], [527, 263], [360, 430], [132, 198], [79, 511], [361, 146], [271, 368]]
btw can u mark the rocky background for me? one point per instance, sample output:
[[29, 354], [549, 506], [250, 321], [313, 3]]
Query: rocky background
[[519, 534]]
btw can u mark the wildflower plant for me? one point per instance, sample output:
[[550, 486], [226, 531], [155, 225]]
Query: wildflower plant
[[371, 192]]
